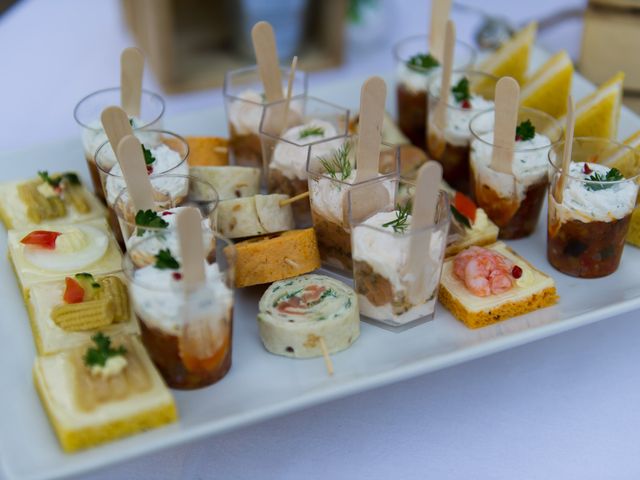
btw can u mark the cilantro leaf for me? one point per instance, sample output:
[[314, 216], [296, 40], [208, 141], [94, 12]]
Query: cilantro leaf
[[612, 175], [461, 90], [525, 131], [166, 261], [98, 355], [148, 156], [422, 62], [149, 218]]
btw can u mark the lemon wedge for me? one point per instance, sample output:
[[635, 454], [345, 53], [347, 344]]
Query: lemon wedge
[[548, 88]]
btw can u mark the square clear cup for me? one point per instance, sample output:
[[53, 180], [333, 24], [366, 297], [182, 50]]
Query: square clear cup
[[589, 218], [412, 78], [87, 114], [449, 136], [396, 287], [187, 333], [512, 202], [244, 100], [310, 122], [331, 175]]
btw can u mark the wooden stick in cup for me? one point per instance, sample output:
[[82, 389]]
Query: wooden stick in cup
[[116, 125], [131, 159], [566, 153], [327, 358], [189, 224], [505, 123], [287, 103], [300, 196], [436, 128], [439, 15], [264, 46], [131, 70]]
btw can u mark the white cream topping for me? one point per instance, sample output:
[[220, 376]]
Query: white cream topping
[[159, 299], [582, 203], [245, 112], [107, 156], [291, 159], [166, 161], [457, 130], [529, 165], [94, 135], [412, 79]]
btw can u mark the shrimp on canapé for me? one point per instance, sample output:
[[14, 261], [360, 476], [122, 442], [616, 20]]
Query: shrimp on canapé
[[483, 271]]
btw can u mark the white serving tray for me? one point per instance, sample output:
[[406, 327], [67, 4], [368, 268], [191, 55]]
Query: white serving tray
[[261, 385]]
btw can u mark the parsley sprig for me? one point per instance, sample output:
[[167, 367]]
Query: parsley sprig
[[310, 131], [149, 218], [55, 181], [339, 163], [103, 351], [148, 156], [612, 175], [525, 131], [166, 261], [422, 62], [461, 90], [400, 223]]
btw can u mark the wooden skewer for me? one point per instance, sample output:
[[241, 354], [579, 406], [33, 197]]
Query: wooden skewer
[[327, 359], [287, 103], [291, 263], [566, 154], [300, 196]]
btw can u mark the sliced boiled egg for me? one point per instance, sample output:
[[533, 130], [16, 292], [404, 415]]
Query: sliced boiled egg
[[77, 247]]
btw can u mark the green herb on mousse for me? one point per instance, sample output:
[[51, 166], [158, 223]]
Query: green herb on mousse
[[148, 156], [460, 218], [166, 261], [97, 356], [612, 175], [400, 223], [461, 90], [55, 181], [149, 218], [310, 131], [422, 62], [339, 163], [525, 131]]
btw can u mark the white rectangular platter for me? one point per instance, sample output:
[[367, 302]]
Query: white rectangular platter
[[261, 385]]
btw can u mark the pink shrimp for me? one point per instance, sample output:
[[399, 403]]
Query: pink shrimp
[[483, 271]]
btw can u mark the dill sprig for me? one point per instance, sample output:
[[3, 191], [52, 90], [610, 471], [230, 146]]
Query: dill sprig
[[400, 223], [339, 163], [310, 131]]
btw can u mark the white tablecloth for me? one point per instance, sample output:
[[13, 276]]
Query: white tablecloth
[[565, 407]]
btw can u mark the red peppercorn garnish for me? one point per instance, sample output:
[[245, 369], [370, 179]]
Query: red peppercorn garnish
[[177, 275], [149, 169], [516, 271], [466, 104], [518, 138], [164, 214], [586, 169]]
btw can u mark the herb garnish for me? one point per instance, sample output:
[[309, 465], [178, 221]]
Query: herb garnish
[[310, 131], [165, 261], [98, 355], [399, 224], [461, 90], [422, 61], [612, 175], [339, 162], [70, 177], [525, 131], [149, 218], [460, 217], [131, 122], [148, 156]]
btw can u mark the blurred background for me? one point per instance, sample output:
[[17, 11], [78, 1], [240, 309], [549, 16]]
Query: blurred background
[[55, 52]]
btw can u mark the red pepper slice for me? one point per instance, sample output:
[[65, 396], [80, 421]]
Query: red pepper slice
[[465, 206], [73, 291], [41, 238]]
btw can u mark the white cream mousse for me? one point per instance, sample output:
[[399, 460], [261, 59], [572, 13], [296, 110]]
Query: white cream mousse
[[159, 298], [603, 201], [164, 161], [386, 249], [93, 135], [529, 165], [290, 154], [245, 112]]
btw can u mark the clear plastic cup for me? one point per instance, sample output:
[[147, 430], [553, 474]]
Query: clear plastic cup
[[244, 101], [87, 114], [449, 144], [392, 288], [311, 122], [186, 333], [512, 202], [328, 196], [586, 230], [412, 79]]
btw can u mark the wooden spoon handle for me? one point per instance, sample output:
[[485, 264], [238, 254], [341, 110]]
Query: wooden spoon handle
[[504, 129], [131, 70], [131, 160], [439, 15], [264, 45], [189, 223], [372, 103]]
